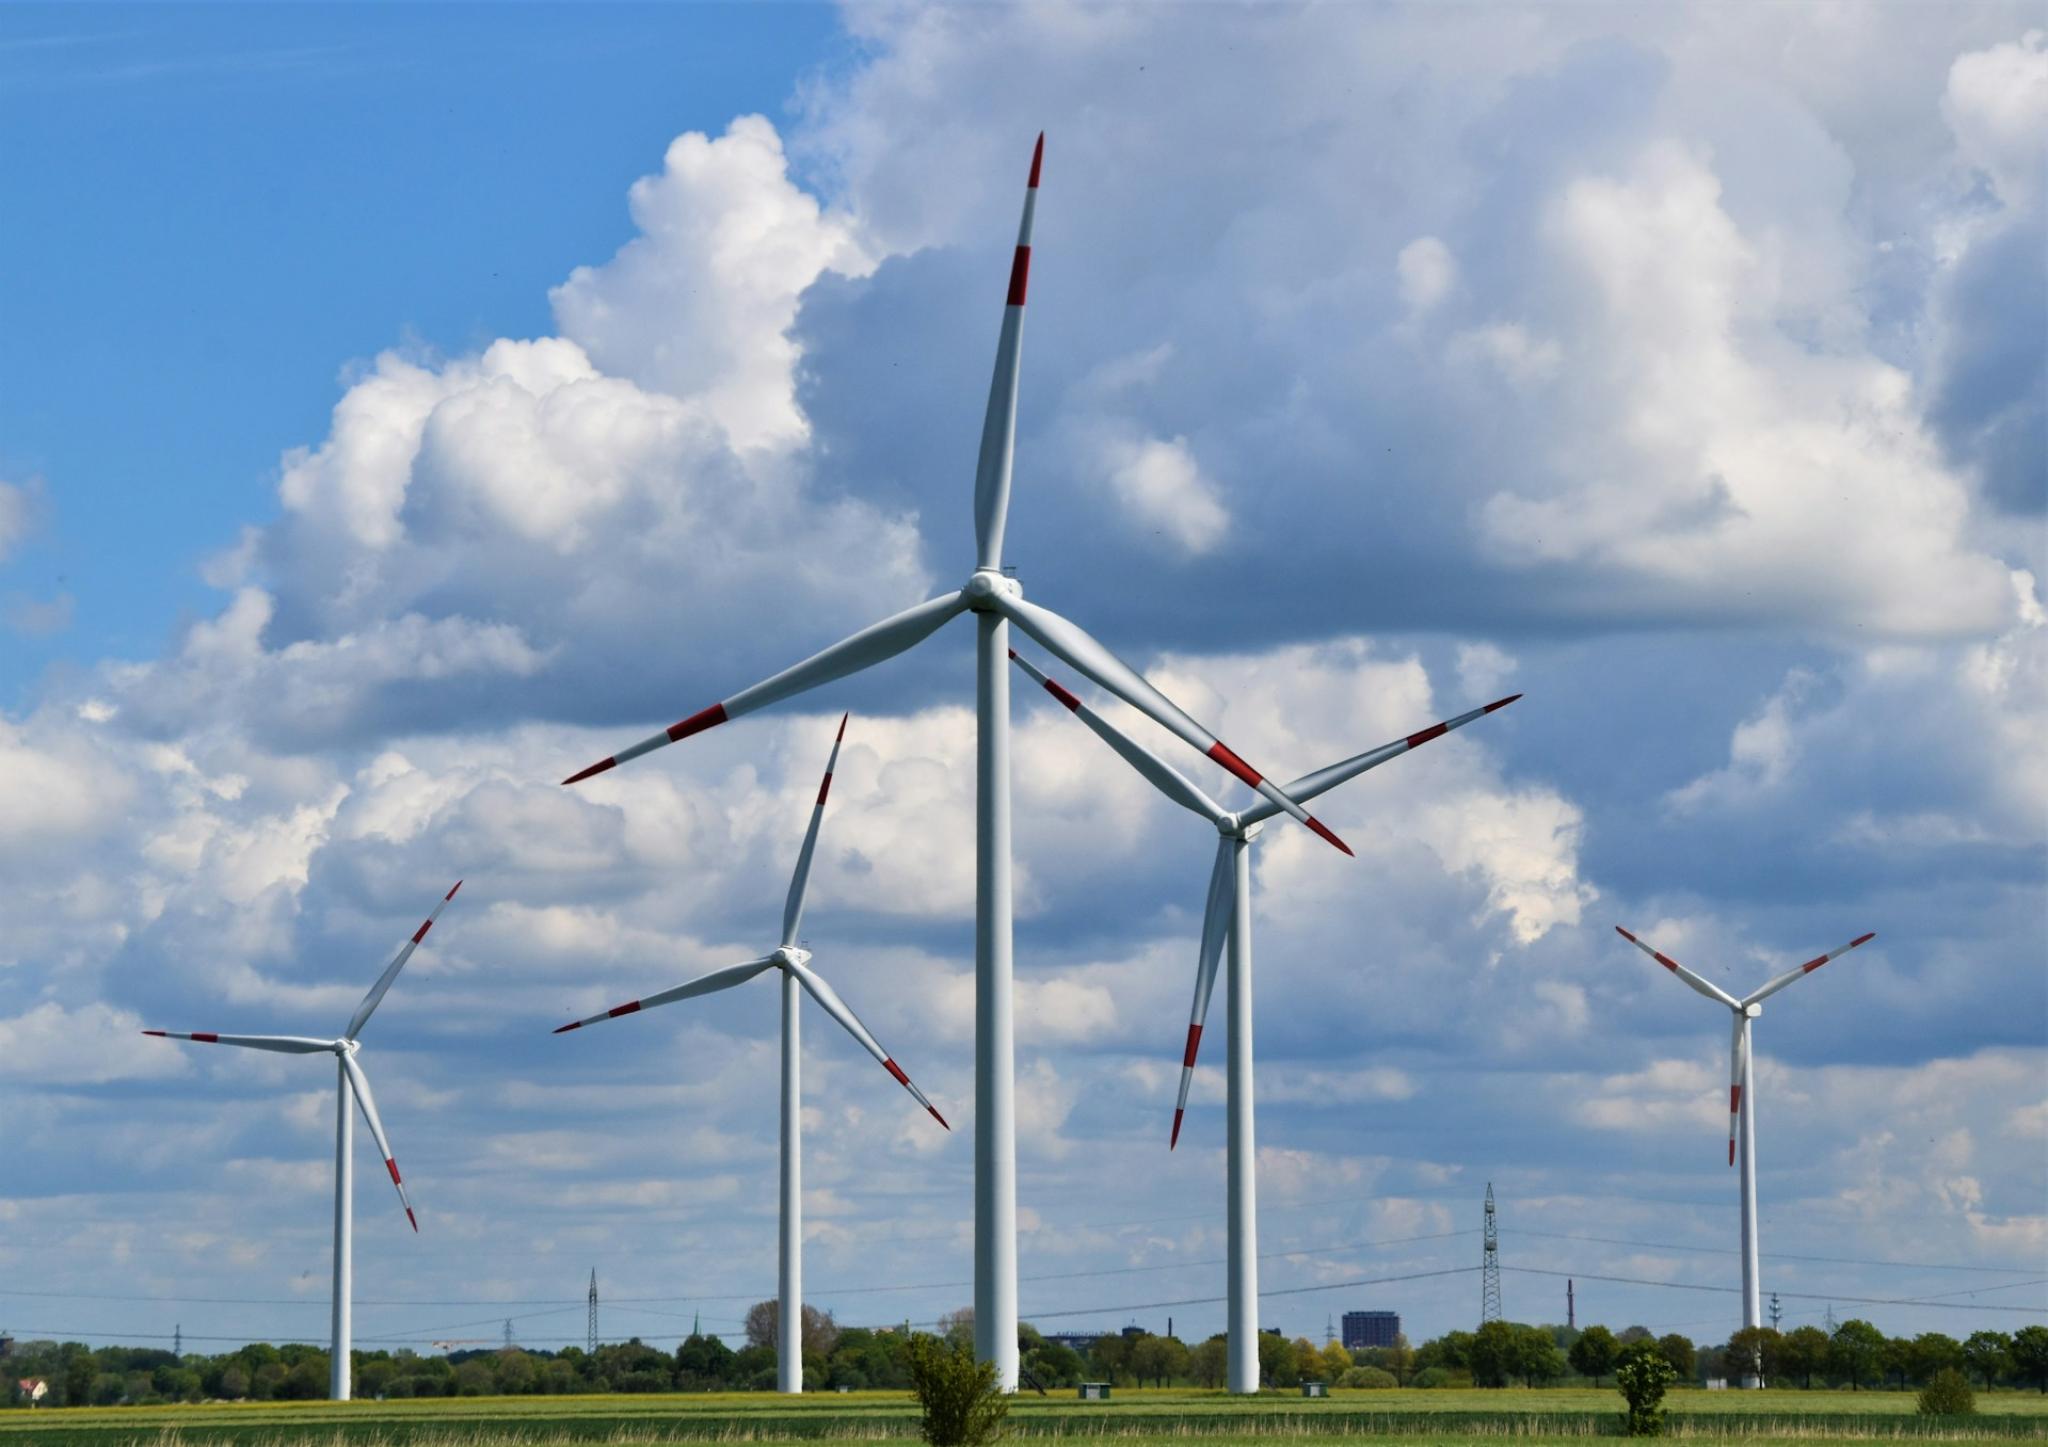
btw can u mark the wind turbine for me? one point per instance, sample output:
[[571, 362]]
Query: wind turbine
[[795, 966], [350, 1080], [1229, 914], [1741, 1105], [996, 600]]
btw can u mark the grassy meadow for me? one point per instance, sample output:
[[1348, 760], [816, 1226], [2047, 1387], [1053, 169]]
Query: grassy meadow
[[1386, 1416]]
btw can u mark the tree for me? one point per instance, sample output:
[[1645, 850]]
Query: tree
[[1803, 1351], [1112, 1356], [703, 1363], [1593, 1354], [1678, 1351], [1158, 1358], [1753, 1352], [2030, 1355], [1948, 1394], [962, 1403], [1333, 1361], [1450, 1352], [1367, 1378], [1536, 1357], [1209, 1363], [1989, 1355], [1855, 1351], [1642, 1374], [1398, 1359], [957, 1326], [1932, 1353], [1492, 1354], [1278, 1364], [764, 1319]]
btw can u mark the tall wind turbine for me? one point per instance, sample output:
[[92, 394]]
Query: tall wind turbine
[[996, 600], [795, 966], [350, 1080], [1229, 914], [1741, 1100]]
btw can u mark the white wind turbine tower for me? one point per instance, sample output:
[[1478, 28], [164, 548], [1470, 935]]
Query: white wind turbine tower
[[350, 1080], [1741, 1101], [1228, 914], [795, 966], [996, 601]]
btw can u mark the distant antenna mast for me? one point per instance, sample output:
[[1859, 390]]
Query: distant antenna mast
[[1329, 1327], [508, 1331], [178, 1340], [1777, 1312], [1489, 1266], [590, 1332], [1571, 1306]]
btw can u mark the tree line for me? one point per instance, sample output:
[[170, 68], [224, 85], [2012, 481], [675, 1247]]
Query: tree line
[[1498, 1354]]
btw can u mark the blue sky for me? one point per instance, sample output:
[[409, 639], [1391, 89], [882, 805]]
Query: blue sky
[[404, 408]]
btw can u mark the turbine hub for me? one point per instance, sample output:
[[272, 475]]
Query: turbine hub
[[987, 583], [792, 955]]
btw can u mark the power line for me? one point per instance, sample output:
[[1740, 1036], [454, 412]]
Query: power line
[[1803, 1295], [1775, 1255]]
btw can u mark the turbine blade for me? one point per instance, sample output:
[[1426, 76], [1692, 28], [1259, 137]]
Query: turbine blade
[[1308, 786], [1164, 776], [1806, 969], [1067, 640], [839, 1010], [722, 979], [360, 1083], [376, 996], [999, 423], [1738, 1052], [1216, 917], [864, 649], [793, 907], [1706, 987], [282, 1044]]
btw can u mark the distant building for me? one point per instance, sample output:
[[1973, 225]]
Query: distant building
[[1364, 1329]]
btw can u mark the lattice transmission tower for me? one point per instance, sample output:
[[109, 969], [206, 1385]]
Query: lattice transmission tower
[[1489, 1266], [590, 1331]]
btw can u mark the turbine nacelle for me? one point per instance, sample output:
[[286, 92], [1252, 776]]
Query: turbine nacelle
[[790, 957], [988, 584]]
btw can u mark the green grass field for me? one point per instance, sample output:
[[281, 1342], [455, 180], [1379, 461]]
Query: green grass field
[[1385, 1416]]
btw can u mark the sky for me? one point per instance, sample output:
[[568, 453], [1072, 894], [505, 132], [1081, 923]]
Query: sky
[[403, 408]]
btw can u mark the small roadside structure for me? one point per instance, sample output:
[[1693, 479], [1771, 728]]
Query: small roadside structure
[[1095, 1391], [1315, 1389]]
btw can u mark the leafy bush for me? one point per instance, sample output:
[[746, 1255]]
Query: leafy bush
[[1369, 1377], [1948, 1394], [961, 1402], [1643, 1374], [1432, 1377]]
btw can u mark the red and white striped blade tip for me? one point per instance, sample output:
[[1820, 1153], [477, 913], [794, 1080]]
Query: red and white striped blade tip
[[937, 1117], [841, 738], [1177, 1114], [597, 768], [1500, 703], [1037, 160], [451, 893], [1731, 1153], [565, 1029], [414, 1219], [1323, 831]]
